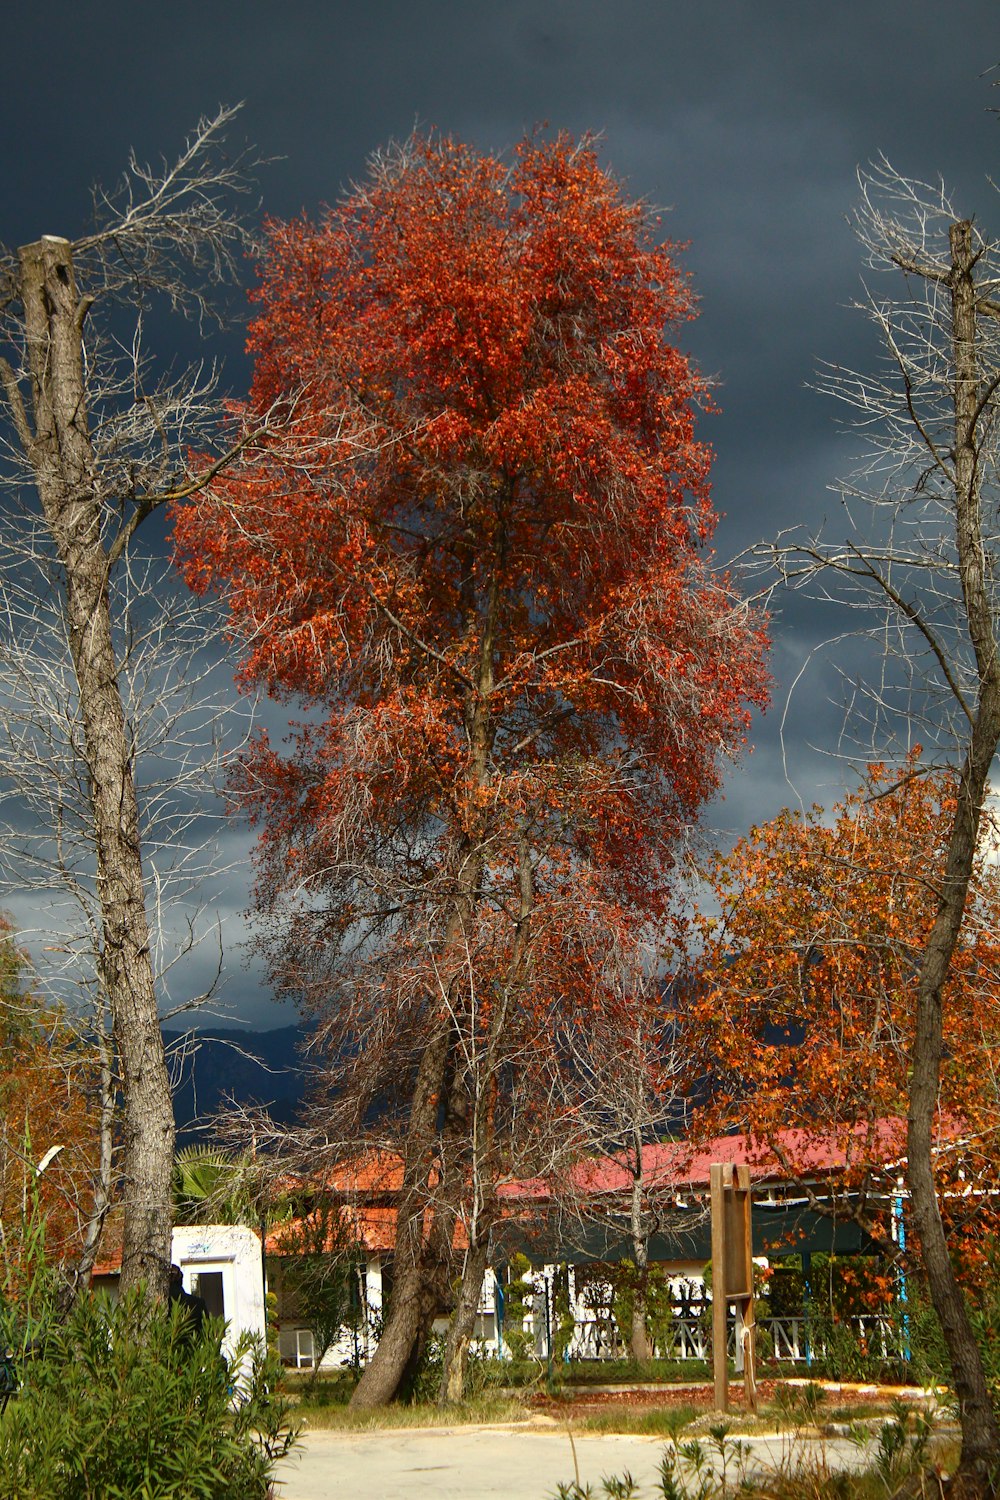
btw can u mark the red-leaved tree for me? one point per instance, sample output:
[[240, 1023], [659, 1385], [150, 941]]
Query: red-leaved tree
[[479, 553]]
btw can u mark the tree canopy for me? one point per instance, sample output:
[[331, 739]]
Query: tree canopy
[[807, 986], [479, 550]]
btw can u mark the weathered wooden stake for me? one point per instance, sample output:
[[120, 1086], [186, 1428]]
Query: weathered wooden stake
[[732, 1273]]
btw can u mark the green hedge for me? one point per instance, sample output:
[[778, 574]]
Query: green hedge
[[125, 1402]]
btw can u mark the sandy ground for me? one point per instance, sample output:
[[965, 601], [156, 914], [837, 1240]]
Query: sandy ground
[[470, 1463]]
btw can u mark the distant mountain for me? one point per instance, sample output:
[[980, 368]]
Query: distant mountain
[[252, 1067]]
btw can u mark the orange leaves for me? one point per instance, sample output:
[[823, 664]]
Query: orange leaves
[[812, 966], [47, 1099]]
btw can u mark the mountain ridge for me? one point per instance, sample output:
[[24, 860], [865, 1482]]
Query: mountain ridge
[[209, 1067]]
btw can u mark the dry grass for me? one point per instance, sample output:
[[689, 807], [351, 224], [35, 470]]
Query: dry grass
[[488, 1410]]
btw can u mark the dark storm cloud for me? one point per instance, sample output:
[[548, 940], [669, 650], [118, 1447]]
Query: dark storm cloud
[[745, 121]]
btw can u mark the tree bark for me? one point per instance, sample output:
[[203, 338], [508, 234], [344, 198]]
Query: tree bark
[[462, 1326], [411, 1308], [980, 1429], [60, 451], [420, 1258], [639, 1346]]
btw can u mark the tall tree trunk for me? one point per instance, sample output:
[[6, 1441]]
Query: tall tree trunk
[[638, 1335], [61, 454], [639, 1345], [419, 1258], [481, 1143], [411, 1308], [462, 1325], [980, 1429]]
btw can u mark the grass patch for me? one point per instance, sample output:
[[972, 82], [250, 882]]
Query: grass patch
[[657, 1423], [326, 1390], [340, 1417], [861, 1411]]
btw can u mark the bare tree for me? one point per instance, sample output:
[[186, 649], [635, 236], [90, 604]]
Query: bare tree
[[105, 442], [921, 561], [625, 1070], [182, 727]]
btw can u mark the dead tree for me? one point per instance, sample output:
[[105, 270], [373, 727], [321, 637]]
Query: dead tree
[[921, 561], [104, 444], [624, 1087]]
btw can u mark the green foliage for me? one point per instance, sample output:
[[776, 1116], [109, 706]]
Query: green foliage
[[719, 1467], [842, 1351], [518, 1343], [211, 1186], [922, 1330], [624, 1279], [31, 1289], [799, 1405], [425, 1381], [581, 1373], [120, 1403], [915, 1326], [662, 1421], [564, 1319], [271, 1316], [903, 1442], [319, 1392], [855, 1326], [319, 1260]]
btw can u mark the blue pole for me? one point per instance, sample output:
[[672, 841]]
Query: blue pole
[[498, 1305], [899, 1235]]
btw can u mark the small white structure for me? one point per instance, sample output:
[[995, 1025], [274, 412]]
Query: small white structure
[[221, 1263]]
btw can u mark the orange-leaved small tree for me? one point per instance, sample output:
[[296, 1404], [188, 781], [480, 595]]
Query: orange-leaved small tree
[[806, 993], [478, 550], [54, 1166]]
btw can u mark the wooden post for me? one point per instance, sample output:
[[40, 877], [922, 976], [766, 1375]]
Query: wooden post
[[743, 1229], [720, 1364], [732, 1274]]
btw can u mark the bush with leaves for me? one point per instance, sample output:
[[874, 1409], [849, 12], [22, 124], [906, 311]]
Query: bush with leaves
[[125, 1402], [320, 1256], [518, 1341]]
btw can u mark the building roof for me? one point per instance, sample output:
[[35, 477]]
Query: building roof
[[366, 1186]]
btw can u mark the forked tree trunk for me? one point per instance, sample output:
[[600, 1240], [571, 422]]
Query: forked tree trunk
[[58, 445], [421, 1258], [463, 1326], [412, 1303]]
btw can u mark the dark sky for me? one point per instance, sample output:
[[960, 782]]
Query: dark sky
[[747, 119]]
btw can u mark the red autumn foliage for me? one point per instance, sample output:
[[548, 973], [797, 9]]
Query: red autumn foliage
[[475, 541]]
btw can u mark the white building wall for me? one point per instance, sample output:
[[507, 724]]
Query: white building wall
[[230, 1252]]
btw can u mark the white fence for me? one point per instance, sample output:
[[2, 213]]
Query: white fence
[[690, 1338]]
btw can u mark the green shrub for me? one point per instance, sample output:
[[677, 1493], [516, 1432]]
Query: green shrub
[[564, 1318], [518, 1343], [126, 1402], [425, 1380]]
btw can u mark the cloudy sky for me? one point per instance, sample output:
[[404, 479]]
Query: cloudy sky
[[746, 119]]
